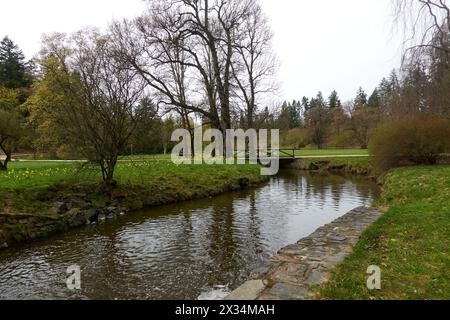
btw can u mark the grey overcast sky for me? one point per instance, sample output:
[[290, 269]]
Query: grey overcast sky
[[322, 45]]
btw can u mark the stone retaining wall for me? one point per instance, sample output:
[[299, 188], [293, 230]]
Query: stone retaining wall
[[19, 228], [291, 273]]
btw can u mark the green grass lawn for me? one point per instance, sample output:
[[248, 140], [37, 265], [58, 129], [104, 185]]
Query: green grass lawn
[[331, 152], [410, 243], [30, 187], [298, 153], [146, 157], [36, 165], [363, 161]]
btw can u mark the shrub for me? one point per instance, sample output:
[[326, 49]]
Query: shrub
[[411, 140], [294, 138]]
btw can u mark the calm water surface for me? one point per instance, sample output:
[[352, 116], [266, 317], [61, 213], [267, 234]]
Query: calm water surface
[[198, 249]]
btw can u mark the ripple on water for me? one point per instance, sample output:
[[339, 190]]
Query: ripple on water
[[216, 293]]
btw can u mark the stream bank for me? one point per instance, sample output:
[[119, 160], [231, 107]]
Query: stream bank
[[353, 166], [38, 213]]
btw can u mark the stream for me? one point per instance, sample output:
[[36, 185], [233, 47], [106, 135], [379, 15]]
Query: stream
[[192, 250]]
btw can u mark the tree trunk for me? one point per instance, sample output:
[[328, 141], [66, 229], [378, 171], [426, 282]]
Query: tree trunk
[[4, 164], [110, 173], [108, 167]]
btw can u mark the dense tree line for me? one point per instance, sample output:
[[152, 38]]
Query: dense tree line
[[420, 88], [414, 90]]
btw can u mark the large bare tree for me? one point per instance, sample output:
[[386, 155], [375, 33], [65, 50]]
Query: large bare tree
[[191, 53], [255, 64]]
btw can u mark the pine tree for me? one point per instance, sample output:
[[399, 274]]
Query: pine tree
[[305, 103], [333, 100], [291, 115], [383, 87], [394, 83], [295, 115], [13, 67], [318, 101], [374, 100], [361, 98]]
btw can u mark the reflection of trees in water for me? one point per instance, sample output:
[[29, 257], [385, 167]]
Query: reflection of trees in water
[[250, 237], [222, 245], [232, 238], [278, 198], [321, 187], [186, 238], [253, 242]]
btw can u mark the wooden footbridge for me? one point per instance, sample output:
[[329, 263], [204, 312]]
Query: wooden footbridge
[[285, 156]]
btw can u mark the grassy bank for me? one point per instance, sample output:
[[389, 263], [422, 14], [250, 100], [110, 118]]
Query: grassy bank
[[351, 165], [30, 190], [410, 243]]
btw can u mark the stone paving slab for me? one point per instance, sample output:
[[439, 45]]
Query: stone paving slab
[[295, 268], [250, 290]]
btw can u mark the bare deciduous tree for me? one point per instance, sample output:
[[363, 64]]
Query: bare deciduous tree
[[426, 24], [362, 120], [191, 53], [101, 93], [255, 65]]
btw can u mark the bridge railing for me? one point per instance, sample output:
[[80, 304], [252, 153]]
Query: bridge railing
[[281, 153]]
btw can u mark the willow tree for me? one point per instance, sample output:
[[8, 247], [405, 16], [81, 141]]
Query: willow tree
[[426, 26]]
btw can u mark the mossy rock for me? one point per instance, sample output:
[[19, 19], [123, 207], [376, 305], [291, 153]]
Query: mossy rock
[[136, 205]]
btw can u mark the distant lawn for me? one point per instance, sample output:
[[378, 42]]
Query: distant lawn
[[146, 157], [362, 161], [299, 153], [36, 165], [410, 243], [331, 152]]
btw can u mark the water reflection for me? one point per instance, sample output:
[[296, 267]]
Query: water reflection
[[185, 250]]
